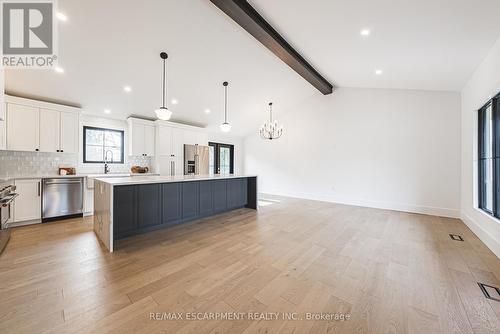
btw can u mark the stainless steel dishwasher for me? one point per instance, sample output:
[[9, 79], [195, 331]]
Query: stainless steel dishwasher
[[62, 197]]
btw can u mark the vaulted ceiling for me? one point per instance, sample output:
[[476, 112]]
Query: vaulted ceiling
[[107, 44]]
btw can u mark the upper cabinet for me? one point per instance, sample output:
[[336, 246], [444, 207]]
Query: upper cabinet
[[171, 138], [69, 132], [141, 137], [40, 126], [50, 130], [23, 124]]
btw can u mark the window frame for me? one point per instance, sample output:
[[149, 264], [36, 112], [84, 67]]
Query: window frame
[[122, 151], [495, 158], [217, 147]]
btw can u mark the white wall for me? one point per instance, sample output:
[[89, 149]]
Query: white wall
[[481, 87], [395, 149]]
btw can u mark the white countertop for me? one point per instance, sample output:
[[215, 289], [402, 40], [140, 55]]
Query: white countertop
[[56, 176], [119, 181]]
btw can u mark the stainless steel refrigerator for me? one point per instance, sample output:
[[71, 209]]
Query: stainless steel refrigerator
[[196, 160]]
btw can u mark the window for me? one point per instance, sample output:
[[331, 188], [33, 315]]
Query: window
[[97, 142], [221, 160], [489, 157]]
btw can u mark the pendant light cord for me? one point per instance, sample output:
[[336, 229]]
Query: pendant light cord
[[163, 83], [225, 103]]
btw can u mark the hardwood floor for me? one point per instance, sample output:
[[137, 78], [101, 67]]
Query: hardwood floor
[[392, 272]]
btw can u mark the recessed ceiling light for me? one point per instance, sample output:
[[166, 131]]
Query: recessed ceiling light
[[174, 101], [62, 17], [365, 32], [128, 89], [379, 72], [207, 111], [107, 111], [59, 69]]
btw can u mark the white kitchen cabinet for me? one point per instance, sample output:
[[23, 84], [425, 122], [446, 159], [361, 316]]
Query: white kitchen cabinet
[[149, 140], [58, 131], [22, 128], [141, 137], [50, 130], [88, 199], [69, 132], [27, 206], [3, 126], [164, 140], [3, 135], [41, 126], [167, 163], [178, 141], [3, 111]]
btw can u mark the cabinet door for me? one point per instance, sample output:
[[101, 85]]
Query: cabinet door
[[233, 193], [27, 206], [149, 140], [50, 122], [69, 132], [124, 210], [3, 126], [137, 139], [148, 205], [171, 205], [3, 135], [220, 194], [190, 199], [206, 198], [179, 165], [237, 192], [178, 142], [22, 128], [164, 141]]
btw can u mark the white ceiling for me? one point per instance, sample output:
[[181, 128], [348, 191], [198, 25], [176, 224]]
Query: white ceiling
[[106, 44]]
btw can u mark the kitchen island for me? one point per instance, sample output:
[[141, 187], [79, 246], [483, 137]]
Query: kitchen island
[[126, 206]]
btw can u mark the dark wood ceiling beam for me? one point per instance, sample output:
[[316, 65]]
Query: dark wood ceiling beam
[[250, 20]]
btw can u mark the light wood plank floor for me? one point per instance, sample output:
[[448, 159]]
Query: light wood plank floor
[[392, 272]]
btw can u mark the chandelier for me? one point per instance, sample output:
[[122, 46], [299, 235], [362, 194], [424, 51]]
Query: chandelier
[[270, 130]]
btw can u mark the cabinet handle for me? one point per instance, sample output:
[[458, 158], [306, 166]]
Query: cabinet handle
[[36, 149], [62, 150], [39, 186], [58, 151]]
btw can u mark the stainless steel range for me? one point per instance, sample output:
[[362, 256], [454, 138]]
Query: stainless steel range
[[7, 196]]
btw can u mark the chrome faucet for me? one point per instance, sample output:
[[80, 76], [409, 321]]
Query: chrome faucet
[[106, 167]]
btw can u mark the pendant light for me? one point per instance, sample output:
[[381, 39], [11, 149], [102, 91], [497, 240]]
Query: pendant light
[[225, 127], [271, 130], [163, 113]]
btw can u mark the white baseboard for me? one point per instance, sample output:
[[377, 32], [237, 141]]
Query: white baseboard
[[486, 237], [24, 223], [427, 210]]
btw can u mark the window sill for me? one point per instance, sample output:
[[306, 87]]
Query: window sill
[[488, 216]]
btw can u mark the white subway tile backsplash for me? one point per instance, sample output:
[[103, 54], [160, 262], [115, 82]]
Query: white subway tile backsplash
[[17, 163]]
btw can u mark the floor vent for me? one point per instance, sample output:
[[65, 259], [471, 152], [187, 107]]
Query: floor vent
[[490, 292], [456, 237]]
